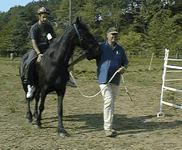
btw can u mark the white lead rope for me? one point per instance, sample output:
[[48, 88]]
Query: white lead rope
[[124, 84], [103, 88]]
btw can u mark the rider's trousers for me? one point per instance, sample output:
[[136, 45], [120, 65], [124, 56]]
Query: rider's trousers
[[30, 68], [109, 93]]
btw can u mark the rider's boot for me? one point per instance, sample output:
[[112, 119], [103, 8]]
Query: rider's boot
[[31, 90]]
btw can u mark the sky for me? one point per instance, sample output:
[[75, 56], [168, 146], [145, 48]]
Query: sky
[[5, 5]]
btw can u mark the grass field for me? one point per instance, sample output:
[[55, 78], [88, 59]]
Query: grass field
[[135, 121]]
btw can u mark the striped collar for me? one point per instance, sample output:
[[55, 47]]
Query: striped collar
[[113, 48]]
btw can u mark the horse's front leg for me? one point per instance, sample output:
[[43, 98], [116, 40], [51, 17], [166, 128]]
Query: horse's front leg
[[29, 113], [41, 108], [61, 131]]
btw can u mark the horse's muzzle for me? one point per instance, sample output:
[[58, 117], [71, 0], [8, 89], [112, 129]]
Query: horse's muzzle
[[94, 53]]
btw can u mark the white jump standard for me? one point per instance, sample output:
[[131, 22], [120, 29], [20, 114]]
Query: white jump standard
[[179, 69]]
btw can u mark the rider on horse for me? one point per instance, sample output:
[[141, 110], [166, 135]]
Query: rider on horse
[[41, 35]]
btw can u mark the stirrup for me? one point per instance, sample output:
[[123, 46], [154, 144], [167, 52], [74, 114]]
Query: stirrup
[[25, 81]]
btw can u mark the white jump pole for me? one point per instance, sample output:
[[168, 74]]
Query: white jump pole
[[160, 113]]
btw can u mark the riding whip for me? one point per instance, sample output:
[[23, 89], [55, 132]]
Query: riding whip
[[123, 80]]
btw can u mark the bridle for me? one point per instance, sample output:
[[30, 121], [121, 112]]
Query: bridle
[[81, 40], [86, 51], [77, 32]]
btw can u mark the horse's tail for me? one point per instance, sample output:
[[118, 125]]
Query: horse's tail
[[22, 65], [22, 69]]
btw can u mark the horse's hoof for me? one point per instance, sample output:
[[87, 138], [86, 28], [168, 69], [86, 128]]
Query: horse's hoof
[[38, 127], [29, 120], [29, 117], [63, 133]]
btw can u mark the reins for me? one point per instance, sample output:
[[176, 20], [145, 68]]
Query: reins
[[81, 39], [124, 84]]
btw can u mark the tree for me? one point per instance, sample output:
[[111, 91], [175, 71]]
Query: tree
[[163, 31], [88, 13], [144, 24], [62, 15], [14, 34], [3, 20], [131, 42], [5, 40], [111, 17]]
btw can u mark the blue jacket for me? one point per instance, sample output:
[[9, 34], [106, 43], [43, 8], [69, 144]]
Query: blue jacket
[[109, 61]]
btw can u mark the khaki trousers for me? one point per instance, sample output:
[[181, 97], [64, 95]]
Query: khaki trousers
[[109, 93]]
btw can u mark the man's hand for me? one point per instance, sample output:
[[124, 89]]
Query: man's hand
[[121, 70], [39, 57]]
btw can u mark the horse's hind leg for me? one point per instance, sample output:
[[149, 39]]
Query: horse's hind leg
[[29, 113], [36, 108]]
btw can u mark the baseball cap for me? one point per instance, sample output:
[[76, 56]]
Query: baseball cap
[[112, 30]]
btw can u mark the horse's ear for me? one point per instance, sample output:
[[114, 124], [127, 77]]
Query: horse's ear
[[78, 19]]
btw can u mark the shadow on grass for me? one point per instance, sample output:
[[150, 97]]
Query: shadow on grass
[[122, 124]]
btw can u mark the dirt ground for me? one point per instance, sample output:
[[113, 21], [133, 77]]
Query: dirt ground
[[135, 121]]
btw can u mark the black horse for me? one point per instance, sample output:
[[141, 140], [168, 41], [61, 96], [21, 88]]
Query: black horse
[[52, 72]]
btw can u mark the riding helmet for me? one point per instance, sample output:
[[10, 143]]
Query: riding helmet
[[43, 10]]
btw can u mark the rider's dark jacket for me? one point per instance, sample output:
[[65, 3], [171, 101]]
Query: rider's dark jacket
[[40, 34]]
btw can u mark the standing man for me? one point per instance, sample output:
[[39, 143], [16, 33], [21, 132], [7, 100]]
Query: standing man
[[41, 35], [113, 57]]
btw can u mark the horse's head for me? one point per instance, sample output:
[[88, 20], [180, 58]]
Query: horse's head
[[86, 40]]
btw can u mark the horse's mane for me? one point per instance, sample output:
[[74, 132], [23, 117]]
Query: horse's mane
[[61, 38], [60, 41]]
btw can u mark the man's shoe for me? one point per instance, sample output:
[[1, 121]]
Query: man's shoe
[[110, 133], [31, 90], [113, 131], [71, 83]]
